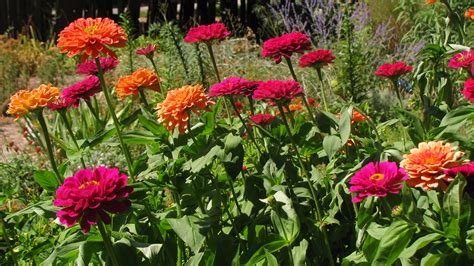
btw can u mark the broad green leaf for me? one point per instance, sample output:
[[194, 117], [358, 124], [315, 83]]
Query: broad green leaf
[[233, 155], [195, 260], [270, 247], [355, 258], [46, 180], [284, 217], [139, 137], [453, 197], [86, 250], [42, 208], [299, 253], [345, 124], [188, 230], [419, 244], [331, 145], [271, 260], [206, 160], [392, 243]]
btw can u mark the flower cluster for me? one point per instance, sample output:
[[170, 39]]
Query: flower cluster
[[207, 33], [285, 46], [90, 194], [141, 78], [24, 101]]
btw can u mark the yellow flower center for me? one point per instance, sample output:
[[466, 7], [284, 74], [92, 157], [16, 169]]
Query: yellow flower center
[[88, 183], [461, 58], [376, 177], [91, 29]]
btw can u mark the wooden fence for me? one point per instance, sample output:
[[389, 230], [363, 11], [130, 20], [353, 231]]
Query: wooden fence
[[46, 17]]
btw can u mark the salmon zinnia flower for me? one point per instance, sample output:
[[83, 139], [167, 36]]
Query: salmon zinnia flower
[[174, 111], [426, 164], [286, 45], [90, 194], [91, 37], [25, 101], [377, 179], [129, 85]]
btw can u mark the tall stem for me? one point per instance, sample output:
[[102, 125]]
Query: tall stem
[[179, 244], [125, 150], [293, 74], [157, 75], [213, 60], [93, 111], [200, 65], [323, 93], [141, 92], [244, 124], [71, 134], [49, 148], [180, 51], [107, 242], [397, 90], [234, 195], [318, 215]]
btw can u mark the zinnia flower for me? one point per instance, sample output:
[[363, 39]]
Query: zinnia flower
[[468, 172], [377, 179], [61, 103], [426, 164], [233, 86], [318, 58], [357, 117], [277, 90], [91, 37], [81, 90], [286, 45], [462, 60], [393, 71], [207, 33], [262, 119], [147, 51], [175, 109], [142, 77], [23, 101], [90, 67], [469, 89], [469, 14], [90, 194], [430, 2]]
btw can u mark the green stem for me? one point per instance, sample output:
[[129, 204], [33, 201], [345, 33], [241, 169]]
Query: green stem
[[213, 60], [49, 148], [252, 107], [200, 65], [157, 75], [141, 92], [107, 242], [318, 215], [115, 119], [234, 195], [397, 90], [93, 111], [71, 134], [244, 124], [323, 93], [179, 243], [180, 51]]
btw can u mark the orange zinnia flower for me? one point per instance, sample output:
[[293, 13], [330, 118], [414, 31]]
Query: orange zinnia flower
[[357, 117], [25, 101], [469, 14], [175, 109], [91, 37], [129, 85], [430, 2], [426, 164]]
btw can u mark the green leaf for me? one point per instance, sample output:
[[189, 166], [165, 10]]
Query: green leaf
[[86, 250], [46, 180], [139, 137], [392, 243], [188, 230], [331, 145], [271, 260], [284, 217], [355, 258], [345, 123], [419, 244], [270, 247], [233, 155], [299, 253], [151, 125], [452, 199], [205, 161]]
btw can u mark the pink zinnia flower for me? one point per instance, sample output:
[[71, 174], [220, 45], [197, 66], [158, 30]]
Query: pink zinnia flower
[[393, 70], [377, 179], [90, 68], [462, 60], [233, 86], [81, 90], [147, 51], [90, 194], [277, 90], [262, 119], [207, 33], [469, 89], [318, 58], [286, 45], [61, 104], [466, 170]]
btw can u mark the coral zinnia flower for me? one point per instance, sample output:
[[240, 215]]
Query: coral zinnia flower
[[233, 86], [147, 51], [469, 89], [286, 45], [81, 90], [207, 33], [23, 101], [90, 67], [393, 71], [91, 37], [430, 2], [129, 85], [426, 164], [377, 179], [469, 14], [262, 119], [90, 194], [318, 58], [462, 60], [277, 90], [175, 109]]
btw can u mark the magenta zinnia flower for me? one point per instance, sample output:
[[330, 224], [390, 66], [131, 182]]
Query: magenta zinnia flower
[[393, 70], [318, 58], [262, 119], [147, 51], [466, 170], [90, 194], [81, 90], [61, 104], [90, 68], [207, 33], [469, 89], [286, 45], [377, 179], [233, 86], [462, 60], [277, 90]]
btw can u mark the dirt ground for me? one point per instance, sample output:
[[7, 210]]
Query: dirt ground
[[10, 138]]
